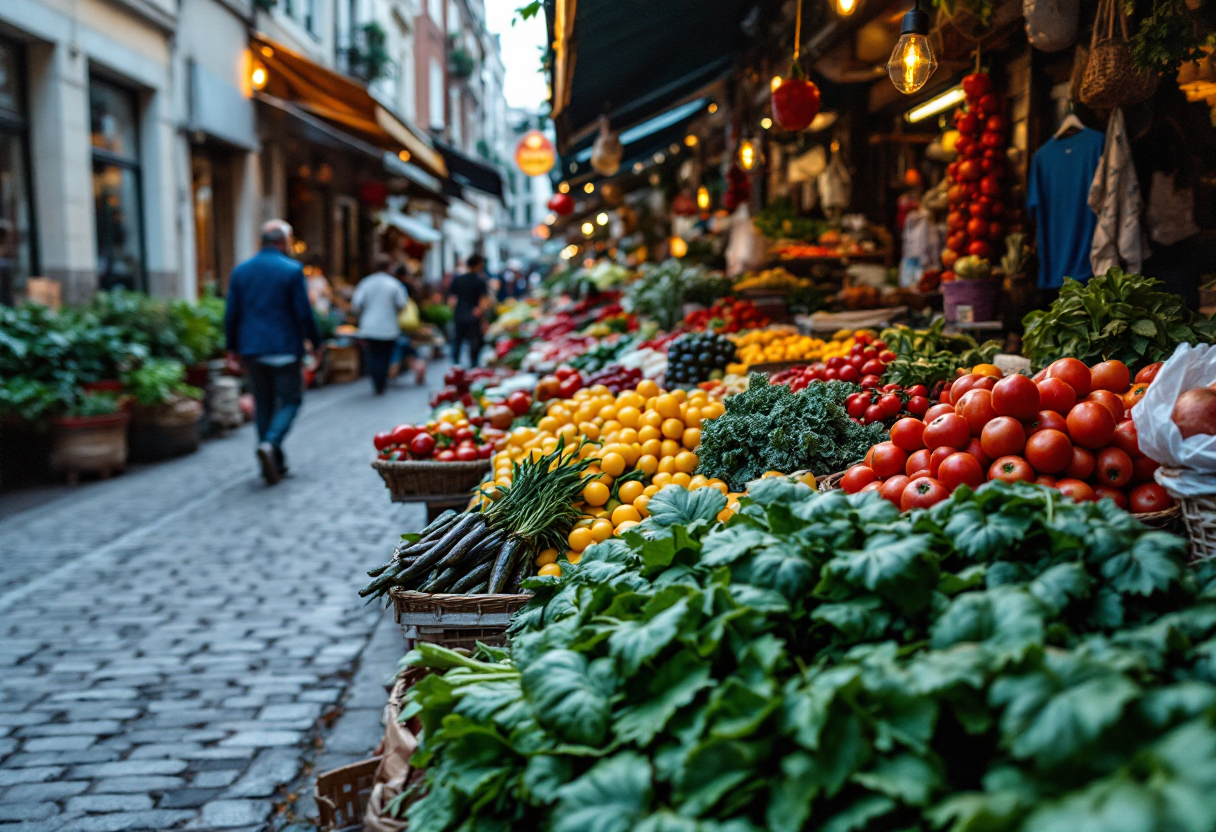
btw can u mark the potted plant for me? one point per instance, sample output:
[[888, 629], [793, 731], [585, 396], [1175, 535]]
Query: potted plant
[[90, 436], [166, 411]]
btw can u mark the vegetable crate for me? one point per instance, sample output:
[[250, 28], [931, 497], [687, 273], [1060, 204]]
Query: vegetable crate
[[455, 620], [342, 795], [418, 481]]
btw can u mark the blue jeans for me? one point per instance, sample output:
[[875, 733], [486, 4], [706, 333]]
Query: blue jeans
[[277, 394]]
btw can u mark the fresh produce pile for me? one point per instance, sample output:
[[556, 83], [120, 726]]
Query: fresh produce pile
[[768, 427], [773, 280], [786, 344], [729, 314], [458, 384], [1005, 661], [1067, 430], [865, 364], [615, 377], [450, 437], [698, 357], [928, 356]]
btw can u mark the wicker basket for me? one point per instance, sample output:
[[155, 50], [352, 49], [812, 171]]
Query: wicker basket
[[1199, 517], [831, 482], [342, 794], [1160, 519], [418, 481], [455, 621], [1111, 77]]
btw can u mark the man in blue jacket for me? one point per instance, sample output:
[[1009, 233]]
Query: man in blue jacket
[[267, 320]]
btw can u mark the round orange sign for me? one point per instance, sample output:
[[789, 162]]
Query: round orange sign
[[534, 154]]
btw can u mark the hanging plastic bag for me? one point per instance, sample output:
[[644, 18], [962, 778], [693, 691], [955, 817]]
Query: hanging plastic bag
[[607, 151], [1051, 25], [1188, 466]]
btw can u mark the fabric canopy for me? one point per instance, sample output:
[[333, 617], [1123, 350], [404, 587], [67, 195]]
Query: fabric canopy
[[468, 172], [631, 59], [640, 143], [340, 100], [415, 228]]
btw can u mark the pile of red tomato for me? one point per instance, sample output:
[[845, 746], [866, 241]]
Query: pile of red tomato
[[864, 365], [727, 315], [975, 224], [562, 383], [462, 440], [1066, 428]]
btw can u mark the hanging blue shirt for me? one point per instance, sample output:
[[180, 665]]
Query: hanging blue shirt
[[1057, 197]]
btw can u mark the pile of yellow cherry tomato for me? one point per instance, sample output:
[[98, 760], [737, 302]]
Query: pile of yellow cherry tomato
[[645, 430], [764, 345]]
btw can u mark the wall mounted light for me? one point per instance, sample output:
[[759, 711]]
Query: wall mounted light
[[258, 77], [912, 61], [766, 122], [935, 105]]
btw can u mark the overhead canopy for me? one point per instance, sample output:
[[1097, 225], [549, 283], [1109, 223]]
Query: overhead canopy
[[467, 172], [631, 59], [642, 142], [415, 228], [294, 78]]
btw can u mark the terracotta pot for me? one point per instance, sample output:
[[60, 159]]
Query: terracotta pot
[[89, 444], [105, 385]]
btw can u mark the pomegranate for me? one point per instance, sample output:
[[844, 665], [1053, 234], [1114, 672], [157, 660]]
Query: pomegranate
[[1195, 412]]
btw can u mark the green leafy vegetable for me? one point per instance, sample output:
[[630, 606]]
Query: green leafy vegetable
[[927, 356]]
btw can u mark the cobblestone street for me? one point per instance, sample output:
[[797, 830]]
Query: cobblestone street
[[170, 638]]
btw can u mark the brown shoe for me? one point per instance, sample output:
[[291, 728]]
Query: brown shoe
[[270, 466]]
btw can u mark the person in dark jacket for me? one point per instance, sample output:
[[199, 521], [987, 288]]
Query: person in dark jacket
[[267, 320], [469, 296]]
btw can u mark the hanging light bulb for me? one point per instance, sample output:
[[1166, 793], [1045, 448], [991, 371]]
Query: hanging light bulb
[[912, 61], [748, 156], [703, 198], [678, 247], [844, 8]]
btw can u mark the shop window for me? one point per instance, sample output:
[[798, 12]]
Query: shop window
[[16, 218], [113, 115]]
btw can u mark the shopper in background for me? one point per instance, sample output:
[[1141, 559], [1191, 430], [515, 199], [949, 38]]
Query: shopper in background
[[409, 320], [470, 297], [267, 320], [378, 299]]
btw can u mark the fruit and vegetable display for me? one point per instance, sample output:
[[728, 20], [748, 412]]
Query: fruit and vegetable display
[[977, 195], [773, 280], [451, 437], [1007, 660], [728, 314], [865, 364], [927, 356], [698, 357], [1068, 430], [787, 344], [459, 383]]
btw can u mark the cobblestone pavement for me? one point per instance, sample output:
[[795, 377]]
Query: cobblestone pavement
[[169, 638]]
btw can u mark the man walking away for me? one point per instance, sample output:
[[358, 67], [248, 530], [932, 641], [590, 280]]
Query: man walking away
[[377, 300], [267, 319], [470, 296]]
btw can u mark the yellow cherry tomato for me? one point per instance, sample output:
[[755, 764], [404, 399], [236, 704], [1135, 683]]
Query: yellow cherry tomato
[[601, 530], [687, 462], [691, 438], [630, 491], [681, 479], [613, 464], [670, 447], [624, 513], [647, 388], [672, 428], [546, 557], [628, 524], [648, 464], [668, 406], [581, 538], [641, 504], [662, 478], [574, 557], [595, 493], [550, 569]]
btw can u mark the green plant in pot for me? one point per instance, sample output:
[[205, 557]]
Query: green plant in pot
[[161, 394], [89, 435]]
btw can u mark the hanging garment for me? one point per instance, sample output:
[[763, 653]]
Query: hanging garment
[[1057, 197], [922, 247], [1171, 210], [835, 187], [1115, 198]]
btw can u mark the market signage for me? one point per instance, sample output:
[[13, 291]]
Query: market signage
[[535, 154]]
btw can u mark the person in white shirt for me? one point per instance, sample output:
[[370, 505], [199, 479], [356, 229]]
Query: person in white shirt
[[377, 300]]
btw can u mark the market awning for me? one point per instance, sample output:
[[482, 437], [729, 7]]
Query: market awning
[[318, 131], [630, 59], [640, 142], [412, 226], [467, 172], [294, 78]]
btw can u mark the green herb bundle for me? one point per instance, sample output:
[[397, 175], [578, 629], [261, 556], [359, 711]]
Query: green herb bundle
[[1114, 316], [1007, 661], [779, 221], [660, 291], [768, 428], [927, 356]]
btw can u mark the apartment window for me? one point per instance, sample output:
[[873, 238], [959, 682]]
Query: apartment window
[[113, 117], [303, 12], [435, 9], [435, 94], [16, 218]]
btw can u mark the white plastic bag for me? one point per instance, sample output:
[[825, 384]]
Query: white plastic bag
[[1188, 466]]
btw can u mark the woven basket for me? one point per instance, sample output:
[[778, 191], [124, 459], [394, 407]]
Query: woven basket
[[417, 481], [1160, 519], [342, 794], [831, 482], [455, 621], [1199, 517], [1111, 78]]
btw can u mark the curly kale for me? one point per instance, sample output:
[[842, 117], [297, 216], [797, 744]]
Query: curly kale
[[769, 428]]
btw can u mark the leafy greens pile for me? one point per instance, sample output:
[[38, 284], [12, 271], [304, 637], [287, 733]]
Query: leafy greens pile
[[769, 428], [1114, 316], [1007, 660], [661, 291], [927, 356]]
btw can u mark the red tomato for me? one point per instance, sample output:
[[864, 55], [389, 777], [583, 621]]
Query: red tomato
[[382, 440], [1127, 439], [1076, 490], [1046, 420], [422, 445], [1143, 469], [908, 434], [1102, 492], [519, 402], [1016, 396], [850, 374], [1110, 375], [569, 386], [485, 451], [1049, 451], [948, 429], [1039, 376], [888, 460], [969, 382], [857, 478], [446, 455], [871, 486], [938, 409], [1108, 400], [917, 461], [464, 435], [940, 455], [976, 449], [1073, 372], [960, 469], [1081, 465], [1044, 479], [1114, 468], [1011, 469], [1149, 373], [922, 492], [917, 405], [893, 488], [976, 407], [1091, 425], [1003, 436], [402, 434], [446, 429], [1150, 497], [466, 453], [1056, 395]]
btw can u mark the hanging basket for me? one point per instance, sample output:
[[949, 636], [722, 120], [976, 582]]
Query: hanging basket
[[1111, 77]]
